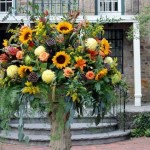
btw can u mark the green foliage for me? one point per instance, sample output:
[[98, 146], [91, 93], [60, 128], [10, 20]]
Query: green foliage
[[142, 125], [8, 103], [144, 22]]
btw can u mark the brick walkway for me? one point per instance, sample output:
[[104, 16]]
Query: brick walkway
[[133, 144]]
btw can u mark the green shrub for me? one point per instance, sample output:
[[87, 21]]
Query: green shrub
[[141, 125]]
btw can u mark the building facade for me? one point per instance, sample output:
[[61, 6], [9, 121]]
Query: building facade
[[133, 56]]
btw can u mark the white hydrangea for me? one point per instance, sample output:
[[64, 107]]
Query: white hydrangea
[[39, 50], [48, 76], [108, 60], [12, 71], [91, 43]]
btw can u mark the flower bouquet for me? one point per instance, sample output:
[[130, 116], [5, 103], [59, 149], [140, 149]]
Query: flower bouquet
[[58, 68]]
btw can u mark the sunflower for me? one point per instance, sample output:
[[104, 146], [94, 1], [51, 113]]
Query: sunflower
[[25, 35], [105, 46], [64, 27], [101, 74], [61, 59], [23, 70]]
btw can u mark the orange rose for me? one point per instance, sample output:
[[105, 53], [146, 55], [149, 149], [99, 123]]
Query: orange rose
[[90, 75], [19, 55], [68, 72], [43, 56]]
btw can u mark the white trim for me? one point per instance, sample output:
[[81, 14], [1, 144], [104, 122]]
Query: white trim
[[91, 18], [137, 64]]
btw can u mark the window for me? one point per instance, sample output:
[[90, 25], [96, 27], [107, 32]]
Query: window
[[115, 37], [5, 5], [109, 6], [57, 7]]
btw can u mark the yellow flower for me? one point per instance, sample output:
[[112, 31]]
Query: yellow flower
[[74, 97], [28, 83], [61, 59], [39, 50], [30, 88], [91, 44], [25, 35], [101, 74], [64, 27], [12, 71], [105, 46], [5, 43], [48, 76], [23, 69]]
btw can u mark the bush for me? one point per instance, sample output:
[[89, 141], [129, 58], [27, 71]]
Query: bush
[[141, 125]]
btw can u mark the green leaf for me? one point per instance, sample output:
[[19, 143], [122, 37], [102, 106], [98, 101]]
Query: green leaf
[[97, 86], [26, 139], [43, 66]]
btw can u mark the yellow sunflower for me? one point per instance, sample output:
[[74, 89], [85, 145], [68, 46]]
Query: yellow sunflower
[[64, 27], [23, 70], [25, 35], [105, 46], [101, 74], [61, 59]]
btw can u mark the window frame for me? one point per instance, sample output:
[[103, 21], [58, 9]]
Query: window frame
[[6, 2], [110, 12]]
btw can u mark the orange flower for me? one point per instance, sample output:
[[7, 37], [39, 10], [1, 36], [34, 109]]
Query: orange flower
[[81, 63], [101, 54], [68, 72], [90, 75], [19, 55], [92, 54], [101, 74], [43, 56]]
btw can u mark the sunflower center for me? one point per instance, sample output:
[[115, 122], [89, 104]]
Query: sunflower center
[[26, 37], [63, 28], [60, 59]]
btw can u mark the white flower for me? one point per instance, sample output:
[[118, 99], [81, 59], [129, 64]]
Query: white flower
[[48, 76], [91, 43], [39, 50], [108, 60], [12, 71]]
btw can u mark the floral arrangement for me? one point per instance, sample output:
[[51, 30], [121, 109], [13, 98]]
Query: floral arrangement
[[67, 55]]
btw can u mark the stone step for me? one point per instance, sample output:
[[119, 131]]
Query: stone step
[[87, 119], [84, 139], [76, 128]]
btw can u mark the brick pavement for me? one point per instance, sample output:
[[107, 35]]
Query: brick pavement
[[133, 144]]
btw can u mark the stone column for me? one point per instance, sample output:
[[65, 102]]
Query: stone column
[[137, 64]]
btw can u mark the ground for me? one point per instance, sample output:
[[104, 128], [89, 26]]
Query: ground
[[142, 143]]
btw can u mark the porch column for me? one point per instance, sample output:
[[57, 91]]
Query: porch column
[[137, 64]]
